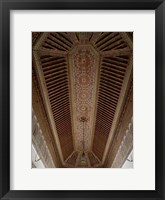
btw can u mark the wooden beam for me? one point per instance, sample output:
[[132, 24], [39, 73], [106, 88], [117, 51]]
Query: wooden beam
[[50, 52], [40, 112], [46, 102], [124, 92], [120, 132], [117, 52]]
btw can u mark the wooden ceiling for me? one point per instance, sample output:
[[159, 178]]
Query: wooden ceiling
[[83, 74]]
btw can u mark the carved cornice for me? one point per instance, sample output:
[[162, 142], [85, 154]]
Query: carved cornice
[[125, 148]]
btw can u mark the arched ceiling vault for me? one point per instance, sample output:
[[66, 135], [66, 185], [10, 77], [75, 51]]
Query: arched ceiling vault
[[83, 74]]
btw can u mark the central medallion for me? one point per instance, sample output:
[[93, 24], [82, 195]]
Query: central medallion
[[83, 69]]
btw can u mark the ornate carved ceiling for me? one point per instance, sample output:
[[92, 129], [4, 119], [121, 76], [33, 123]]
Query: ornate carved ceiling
[[83, 74], [83, 66]]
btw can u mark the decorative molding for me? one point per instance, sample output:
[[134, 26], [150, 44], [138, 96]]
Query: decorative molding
[[125, 147], [40, 144]]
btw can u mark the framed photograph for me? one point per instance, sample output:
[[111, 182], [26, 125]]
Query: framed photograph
[[82, 99]]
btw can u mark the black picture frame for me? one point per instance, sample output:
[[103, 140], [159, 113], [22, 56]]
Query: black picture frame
[[6, 6]]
